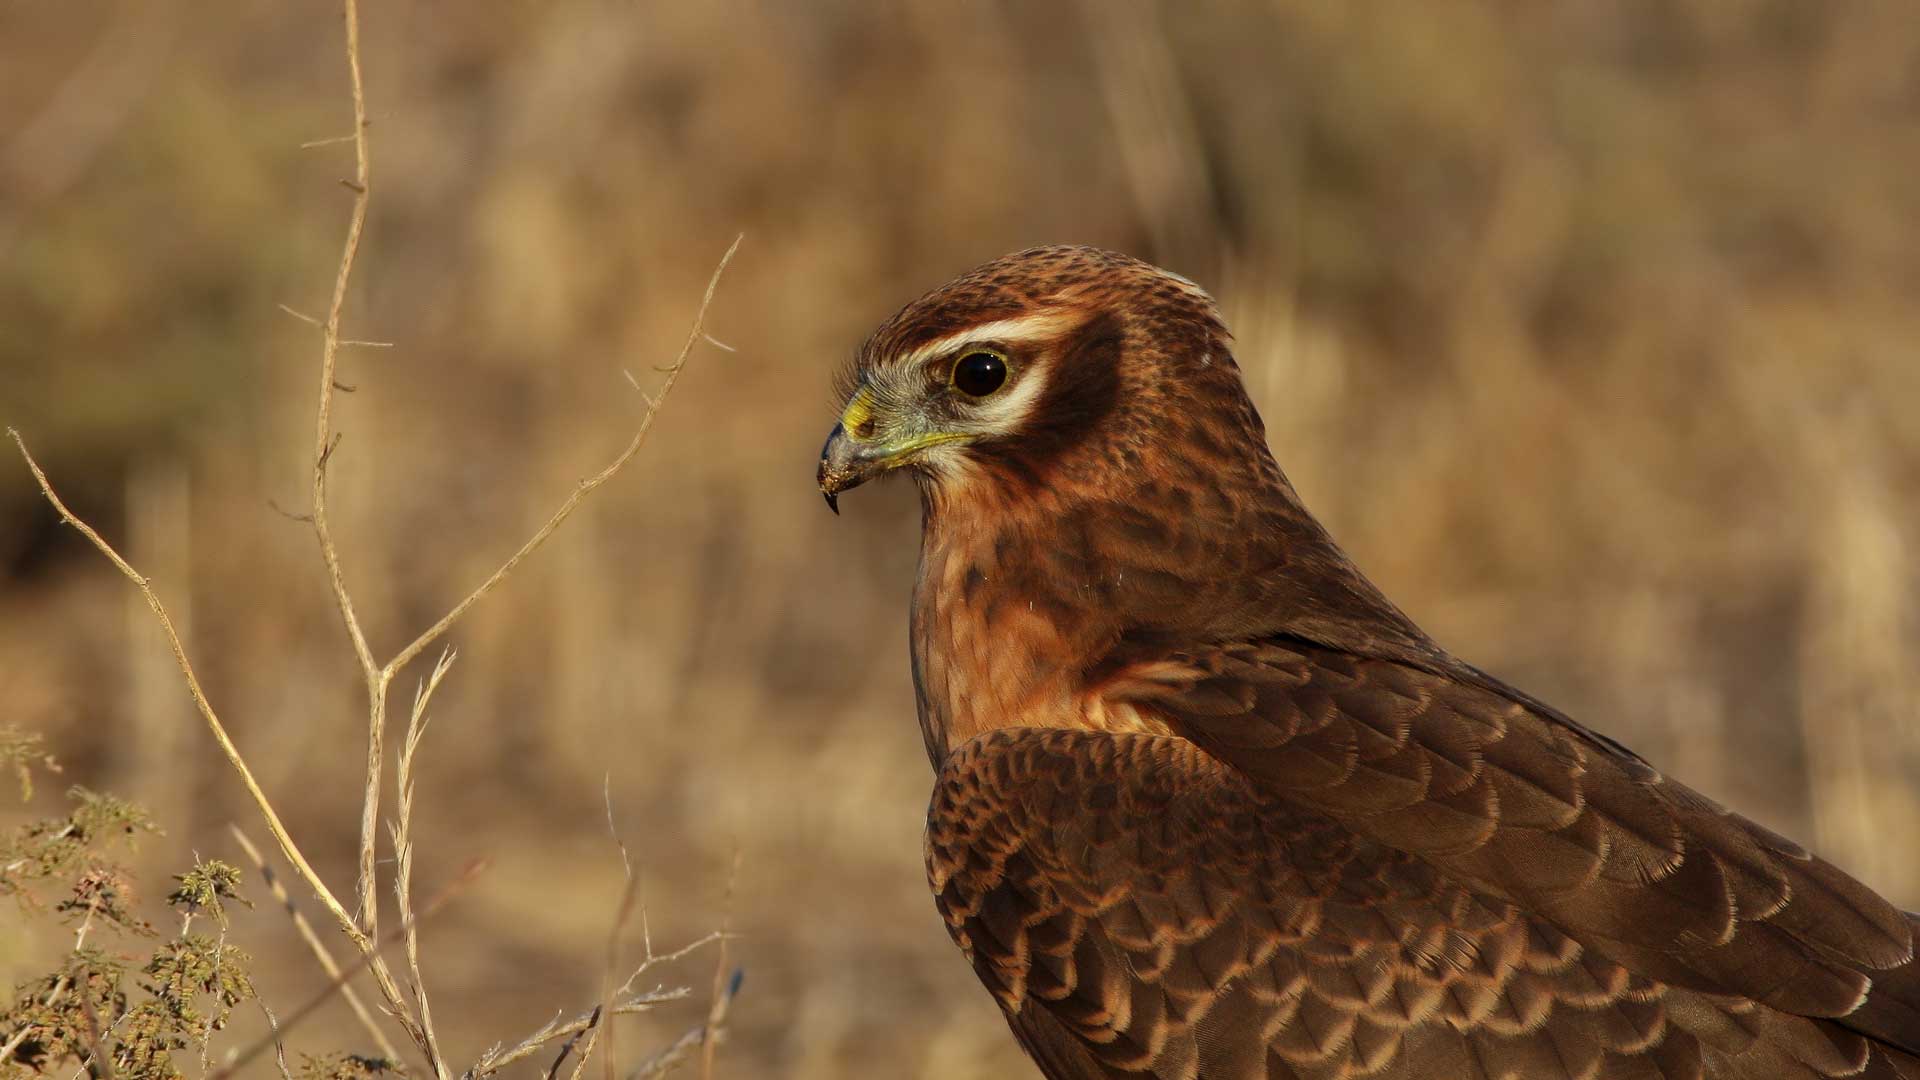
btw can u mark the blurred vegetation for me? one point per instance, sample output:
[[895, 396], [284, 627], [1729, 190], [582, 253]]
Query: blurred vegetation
[[101, 1005], [1589, 330]]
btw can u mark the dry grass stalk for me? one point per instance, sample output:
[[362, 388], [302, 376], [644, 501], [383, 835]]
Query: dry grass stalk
[[401, 829]]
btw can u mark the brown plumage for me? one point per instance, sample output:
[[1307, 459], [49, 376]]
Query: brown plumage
[[1209, 806]]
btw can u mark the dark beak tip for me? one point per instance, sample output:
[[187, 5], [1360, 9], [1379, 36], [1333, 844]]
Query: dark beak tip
[[833, 502]]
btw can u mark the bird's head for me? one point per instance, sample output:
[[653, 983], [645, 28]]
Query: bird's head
[[1094, 482], [1036, 370]]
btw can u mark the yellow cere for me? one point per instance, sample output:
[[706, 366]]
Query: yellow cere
[[858, 412]]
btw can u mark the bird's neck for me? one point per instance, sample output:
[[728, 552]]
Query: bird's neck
[[1030, 610], [999, 634]]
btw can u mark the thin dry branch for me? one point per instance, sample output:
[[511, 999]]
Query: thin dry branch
[[698, 1039], [279, 1046], [625, 1001], [323, 444], [304, 927], [497, 1059], [379, 677], [585, 487], [677, 1053], [329, 354], [280, 835]]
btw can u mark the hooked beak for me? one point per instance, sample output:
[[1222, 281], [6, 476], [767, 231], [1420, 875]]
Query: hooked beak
[[846, 464], [849, 459]]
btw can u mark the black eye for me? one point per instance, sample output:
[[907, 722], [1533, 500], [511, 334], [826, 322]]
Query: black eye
[[979, 374]]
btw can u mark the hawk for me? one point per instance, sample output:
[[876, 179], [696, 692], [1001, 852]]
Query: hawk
[[1208, 805]]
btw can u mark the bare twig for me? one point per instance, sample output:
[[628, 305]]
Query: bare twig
[[301, 315], [585, 487], [677, 1053], [280, 835], [279, 1045], [319, 949], [323, 442], [625, 1001], [695, 1039], [566, 1048], [497, 1059]]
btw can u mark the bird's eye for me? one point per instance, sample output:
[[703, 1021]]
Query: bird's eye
[[978, 374]]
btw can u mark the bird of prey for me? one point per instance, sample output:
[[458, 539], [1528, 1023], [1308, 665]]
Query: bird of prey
[[1208, 805]]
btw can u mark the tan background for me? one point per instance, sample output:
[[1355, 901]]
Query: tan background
[[1591, 334]]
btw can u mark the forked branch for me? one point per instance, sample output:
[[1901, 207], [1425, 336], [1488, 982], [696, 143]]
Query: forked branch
[[362, 926]]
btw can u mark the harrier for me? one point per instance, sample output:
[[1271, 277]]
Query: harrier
[[1209, 806]]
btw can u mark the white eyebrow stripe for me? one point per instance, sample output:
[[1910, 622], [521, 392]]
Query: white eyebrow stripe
[[1008, 412], [1033, 326]]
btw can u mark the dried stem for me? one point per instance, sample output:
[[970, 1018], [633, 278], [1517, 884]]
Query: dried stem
[[403, 854], [585, 487], [625, 1001], [279, 1045], [379, 677], [324, 442], [280, 835], [497, 1059], [319, 949]]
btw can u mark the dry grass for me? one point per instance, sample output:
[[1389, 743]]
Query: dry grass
[[1590, 333]]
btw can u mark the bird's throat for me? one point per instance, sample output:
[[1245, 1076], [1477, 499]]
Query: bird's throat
[[1007, 628]]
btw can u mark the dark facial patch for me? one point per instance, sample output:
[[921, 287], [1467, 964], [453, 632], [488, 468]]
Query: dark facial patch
[[1083, 389]]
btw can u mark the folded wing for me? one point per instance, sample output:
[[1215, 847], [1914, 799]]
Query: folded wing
[[1502, 794], [1141, 909]]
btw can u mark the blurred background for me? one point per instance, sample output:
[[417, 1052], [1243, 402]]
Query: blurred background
[[1590, 330]]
